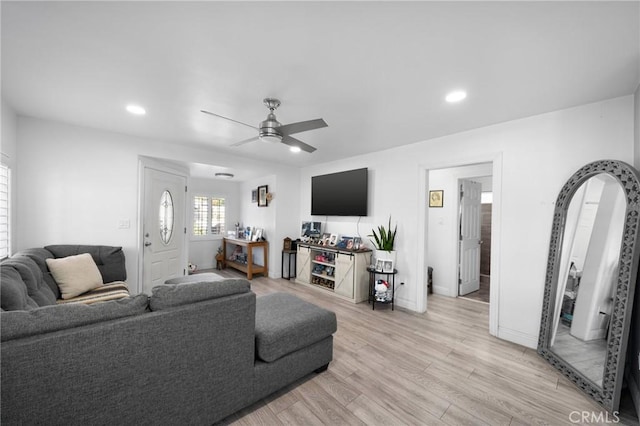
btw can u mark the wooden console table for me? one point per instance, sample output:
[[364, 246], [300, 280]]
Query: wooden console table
[[249, 267]]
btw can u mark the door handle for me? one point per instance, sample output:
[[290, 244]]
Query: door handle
[[147, 244]]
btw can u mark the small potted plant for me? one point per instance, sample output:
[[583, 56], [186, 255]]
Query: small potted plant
[[384, 241]]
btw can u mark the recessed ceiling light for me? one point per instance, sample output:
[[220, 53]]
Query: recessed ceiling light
[[224, 175], [456, 96], [136, 109], [295, 149]]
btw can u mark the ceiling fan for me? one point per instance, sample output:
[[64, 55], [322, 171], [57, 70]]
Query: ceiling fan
[[270, 130]]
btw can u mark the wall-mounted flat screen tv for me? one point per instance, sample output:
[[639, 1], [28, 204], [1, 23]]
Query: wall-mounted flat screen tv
[[340, 194]]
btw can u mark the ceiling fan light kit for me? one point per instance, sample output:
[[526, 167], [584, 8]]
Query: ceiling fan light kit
[[272, 131]]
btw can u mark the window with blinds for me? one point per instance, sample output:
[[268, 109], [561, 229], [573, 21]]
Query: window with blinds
[[5, 228], [208, 216]]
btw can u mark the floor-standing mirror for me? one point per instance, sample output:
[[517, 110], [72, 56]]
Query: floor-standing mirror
[[591, 275]]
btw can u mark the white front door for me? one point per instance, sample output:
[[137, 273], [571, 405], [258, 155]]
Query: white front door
[[163, 227], [470, 199]]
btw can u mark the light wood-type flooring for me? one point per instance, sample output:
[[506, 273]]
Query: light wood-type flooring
[[402, 368]]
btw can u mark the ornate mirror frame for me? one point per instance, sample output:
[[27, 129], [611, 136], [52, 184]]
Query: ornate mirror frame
[[608, 395]]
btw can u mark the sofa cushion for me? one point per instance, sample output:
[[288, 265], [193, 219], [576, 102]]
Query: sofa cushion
[[13, 292], [103, 293], [286, 323], [110, 259], [17, 324], [28, 275], [75, 274], [165, 296], [39, 256]]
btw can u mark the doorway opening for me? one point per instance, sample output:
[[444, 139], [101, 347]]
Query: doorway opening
[[475, 231], [438, 248]]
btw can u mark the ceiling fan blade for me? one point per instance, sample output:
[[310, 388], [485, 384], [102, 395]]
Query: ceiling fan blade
[[288, 140], [302, 126], [230, 119], [255, 138]]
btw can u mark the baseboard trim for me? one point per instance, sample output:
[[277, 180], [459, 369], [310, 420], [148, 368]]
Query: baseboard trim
[[444, 291], [518, 337]]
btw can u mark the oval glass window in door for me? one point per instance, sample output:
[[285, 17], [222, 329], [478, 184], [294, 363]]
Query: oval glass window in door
[[166, 217]]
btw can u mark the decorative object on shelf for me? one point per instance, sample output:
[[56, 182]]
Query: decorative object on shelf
[[384, 242], [387, 265], [333, 239], [254, 195], [324, 240], [192, 267], [262, 196], [345, 242], [219, 258], [382, 293], [379, 265], [287, 244], [310, 230], [257, 234], [436, 198], [357, 243]]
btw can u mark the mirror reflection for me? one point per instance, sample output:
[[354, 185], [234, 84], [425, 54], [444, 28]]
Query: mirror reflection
[[588, 274]]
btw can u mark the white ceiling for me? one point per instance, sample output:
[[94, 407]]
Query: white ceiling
[[377, 72]]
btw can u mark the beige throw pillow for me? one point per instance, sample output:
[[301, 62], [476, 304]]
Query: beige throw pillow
[[75, 274]]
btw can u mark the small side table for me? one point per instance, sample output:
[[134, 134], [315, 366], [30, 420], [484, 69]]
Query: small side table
[[390, 277], [289, 253]]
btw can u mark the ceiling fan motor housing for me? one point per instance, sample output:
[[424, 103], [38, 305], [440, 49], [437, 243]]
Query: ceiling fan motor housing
[[269, 129]]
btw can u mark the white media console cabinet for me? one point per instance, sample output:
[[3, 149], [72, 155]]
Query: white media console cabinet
[[342, 272]]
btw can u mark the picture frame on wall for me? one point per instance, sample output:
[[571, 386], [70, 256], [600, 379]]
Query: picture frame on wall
[[262, 195], [254, 195], [436, 198]]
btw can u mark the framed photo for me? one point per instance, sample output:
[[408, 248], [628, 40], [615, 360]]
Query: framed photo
[[262, 195], [310, 229], [357, 242], [436, 198], [345, 242], [325, 239], [254, 195], [333, 239], [387, 265], [379, 265]]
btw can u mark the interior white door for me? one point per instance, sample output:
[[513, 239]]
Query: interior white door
[[470, 219], [164, 228]]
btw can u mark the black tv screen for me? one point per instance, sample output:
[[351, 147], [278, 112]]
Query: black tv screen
[[340, 194]]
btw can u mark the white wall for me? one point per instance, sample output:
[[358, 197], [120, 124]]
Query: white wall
[[261, 217], [442, 236], [8, 149], [202, 250], [538, 155], [76, 184]]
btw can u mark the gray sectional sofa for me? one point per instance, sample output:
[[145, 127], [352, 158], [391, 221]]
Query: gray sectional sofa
[[187, 354]]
